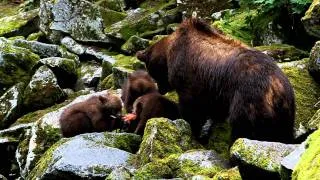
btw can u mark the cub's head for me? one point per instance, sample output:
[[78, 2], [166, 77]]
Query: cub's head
[[112, 108]]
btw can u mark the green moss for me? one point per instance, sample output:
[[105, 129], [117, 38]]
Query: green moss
[[109, 16], [35, 36], [307, 91], [16, 38], [230, 174], [99, 169], [8, 9], [189, 168], [45, 160], [220, 139], [308, 166], [128, 62], [124, 141], [173, 96], [283, 52], [107, 83], [13, 23]]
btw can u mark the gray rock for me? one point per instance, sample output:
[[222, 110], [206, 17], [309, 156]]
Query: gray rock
[[43, 90], [259, 158], [81, 19], [311, 20], [15, 131], [89, 76], [10, 105], [80, 157], [119, 173], [73, 46], [120, 74], [289, 162], [15, 63], [101, 55], [64, 69], [135, 44]]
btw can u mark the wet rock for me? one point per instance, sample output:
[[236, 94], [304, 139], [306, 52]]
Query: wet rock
[[64, 69], [283, 52], [83, 20], [311, 20], [308, 165], [73, 46], [152, 16], [259, 159], [289, 162], [21, 24], [307, 93], [45, 50], [89, 76], [16, 64], [80, 157], [43, 90], [10, 105], [163, 137], [135, 44]]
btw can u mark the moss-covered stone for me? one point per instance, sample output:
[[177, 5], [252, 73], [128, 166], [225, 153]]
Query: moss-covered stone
[[308, 166], [10, 105], [311, 19], [116, 5], [283, 52], [162, 138], [142, 20], [307, 93], [16, 63], [20, 24], [89, 74], [230, 174], [119, 173], [134, 44], [173, 96], [265, 156], [35, 36], [8, 9], [107, 83], [124, 141], [43, 90]]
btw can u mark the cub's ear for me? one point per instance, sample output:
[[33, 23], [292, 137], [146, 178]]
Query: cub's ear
[[141, 55], [103, 99]]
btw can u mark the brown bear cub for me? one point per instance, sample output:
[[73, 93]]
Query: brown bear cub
[[150, 106], [221, 79], [138, 83], [96, 114]]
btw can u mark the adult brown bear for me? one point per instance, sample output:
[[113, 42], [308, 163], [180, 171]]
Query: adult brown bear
[[219, 78]]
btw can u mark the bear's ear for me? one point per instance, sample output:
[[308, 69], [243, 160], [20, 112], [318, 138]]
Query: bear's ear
[[103, 99], [141, 55]]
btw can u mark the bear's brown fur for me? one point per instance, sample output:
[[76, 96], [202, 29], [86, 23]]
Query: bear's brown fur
[[96, 114], [137, 84], [149, 106], [221, 79]]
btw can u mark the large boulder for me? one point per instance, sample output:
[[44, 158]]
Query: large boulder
[[83, 20], [81, 157], [311, 20], [10, 105], [21, 24], [163, 137], [16, 64], [64, 69], [308, 166], [43, 90], [89, 75], [307, 93], [258, 159]]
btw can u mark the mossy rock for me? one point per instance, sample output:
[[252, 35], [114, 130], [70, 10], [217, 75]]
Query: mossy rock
[[10, 105], [116, 5], [107, 83], [43, 90], [17, 63], [134, 44], [35, 36], [22, 24], [73, 46], [173, 96], [8, 9], [230, 174], [311, 19], [60, 159], [89, 75], [163, 137], [152, 16], [308, 166], [283, 52], [307, 93]]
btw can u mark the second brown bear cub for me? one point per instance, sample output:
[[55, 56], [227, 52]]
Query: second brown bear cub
[[96, 114], [143, 102]]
